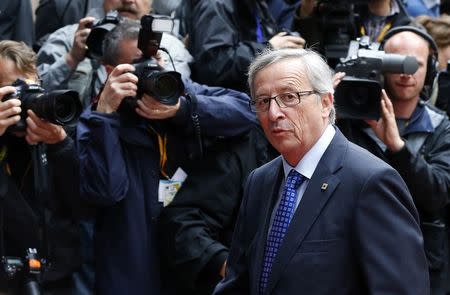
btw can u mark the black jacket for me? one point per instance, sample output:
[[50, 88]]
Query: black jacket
[[23, 209], [196, 228], [223, 39], [424, 164]]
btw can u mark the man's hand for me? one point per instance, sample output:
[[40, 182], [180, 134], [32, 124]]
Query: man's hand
[[120, 84], [39, 130], [9, 110], [78, 51], [386, 127], [337, 78], [282, 40], [150, 108]]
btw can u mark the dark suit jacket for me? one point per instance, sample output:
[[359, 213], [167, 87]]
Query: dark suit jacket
[[359, 235]]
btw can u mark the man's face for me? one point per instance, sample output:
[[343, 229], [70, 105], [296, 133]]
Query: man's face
[[128, 51], [401, 86], [292, 130], [10, 73], [133, 9]]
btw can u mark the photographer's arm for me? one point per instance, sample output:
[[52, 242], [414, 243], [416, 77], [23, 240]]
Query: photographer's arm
[[221, 111], [104, 178], [9, 109], [61, 53]]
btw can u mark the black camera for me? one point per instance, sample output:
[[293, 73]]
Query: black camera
[[94, 41], [164, 86], [30, 268], [60, 107], [332, 26], [358, 94]]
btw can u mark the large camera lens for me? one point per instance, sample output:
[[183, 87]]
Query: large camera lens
[[60, 107], [165, 86]]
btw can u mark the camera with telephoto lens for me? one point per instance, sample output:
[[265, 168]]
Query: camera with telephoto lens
[[61, 107], [358, 94], [94, 41], [165, 86], [28, 269]]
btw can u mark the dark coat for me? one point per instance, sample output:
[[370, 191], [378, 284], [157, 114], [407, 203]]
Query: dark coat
[[196, 228], [343, 238], [120, 173], [23, 207], [223, 40], [424, 164]]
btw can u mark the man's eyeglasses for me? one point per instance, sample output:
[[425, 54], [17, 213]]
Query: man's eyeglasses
[[284, 100]]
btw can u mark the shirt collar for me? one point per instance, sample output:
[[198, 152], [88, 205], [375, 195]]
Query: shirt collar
[[420, 121], [310, 160]]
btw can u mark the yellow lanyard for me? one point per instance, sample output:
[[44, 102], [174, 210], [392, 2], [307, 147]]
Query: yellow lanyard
[[3, 154], [383, 31], [162, 146]]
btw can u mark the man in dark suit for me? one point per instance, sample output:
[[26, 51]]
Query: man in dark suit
[[326, 217]]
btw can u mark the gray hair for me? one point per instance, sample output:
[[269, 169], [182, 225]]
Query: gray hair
[[127, 29], [317, 71]]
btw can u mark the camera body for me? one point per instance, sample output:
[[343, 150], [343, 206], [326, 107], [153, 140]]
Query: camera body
[[30, 267], [358, 94], [94, 41], [164, 86], [60, 107]]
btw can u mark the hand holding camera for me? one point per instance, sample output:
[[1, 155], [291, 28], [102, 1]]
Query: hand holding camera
[[78, 51], [285, 39], [151, 108], [386, 127], [39, 130], [121, 83], [9, 109]]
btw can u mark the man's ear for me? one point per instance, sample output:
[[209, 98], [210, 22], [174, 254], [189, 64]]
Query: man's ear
[[327, 101]]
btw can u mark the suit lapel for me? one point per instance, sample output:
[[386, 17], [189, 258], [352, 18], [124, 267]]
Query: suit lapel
[[269, 189], [313, 201]]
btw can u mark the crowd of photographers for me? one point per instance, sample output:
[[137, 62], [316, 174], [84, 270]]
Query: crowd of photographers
[[126, 137]]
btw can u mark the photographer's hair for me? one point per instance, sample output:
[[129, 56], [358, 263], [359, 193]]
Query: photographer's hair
[[20, 54], [317, 71], [438, 28], [126, 30]]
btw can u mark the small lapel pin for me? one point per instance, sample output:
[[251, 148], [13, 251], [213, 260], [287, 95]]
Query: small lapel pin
[[324, 186]]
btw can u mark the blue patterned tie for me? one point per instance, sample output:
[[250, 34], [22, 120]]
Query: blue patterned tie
[[280, 224]]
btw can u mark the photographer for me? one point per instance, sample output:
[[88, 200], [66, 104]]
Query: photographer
[[62, 61], [331, 26], [126, 153], [225, 36], [414, 138], [23, 208]]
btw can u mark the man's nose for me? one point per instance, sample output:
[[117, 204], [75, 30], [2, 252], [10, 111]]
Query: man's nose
[[274, 111]]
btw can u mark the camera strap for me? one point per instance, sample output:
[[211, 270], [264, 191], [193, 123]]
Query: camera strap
[[41, 189], [192, 99]]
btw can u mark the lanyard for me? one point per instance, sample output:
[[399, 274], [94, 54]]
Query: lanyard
[[162, 147], [383, 31], [3, 154]]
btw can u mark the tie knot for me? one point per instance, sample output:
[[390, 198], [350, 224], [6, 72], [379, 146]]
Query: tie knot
[[294, 179]]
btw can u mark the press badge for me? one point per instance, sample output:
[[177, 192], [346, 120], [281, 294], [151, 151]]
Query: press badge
[[169, 188]]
